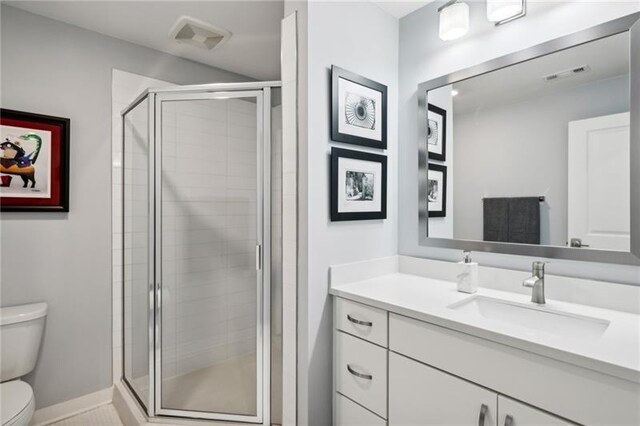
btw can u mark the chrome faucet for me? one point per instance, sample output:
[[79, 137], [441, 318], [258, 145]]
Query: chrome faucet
[[536, 282]]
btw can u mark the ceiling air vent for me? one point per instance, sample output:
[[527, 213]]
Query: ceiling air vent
[[199, 34], [567, 73]]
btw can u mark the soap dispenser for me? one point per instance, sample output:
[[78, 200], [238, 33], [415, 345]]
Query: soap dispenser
[[467, 274]]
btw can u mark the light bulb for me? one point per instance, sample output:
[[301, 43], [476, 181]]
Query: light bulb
[[454, 21]]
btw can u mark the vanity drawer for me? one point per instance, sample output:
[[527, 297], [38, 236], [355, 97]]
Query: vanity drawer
[[348, 413], [361, 372], [361, 320]]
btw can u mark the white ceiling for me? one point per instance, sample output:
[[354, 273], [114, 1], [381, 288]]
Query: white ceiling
[[253, 49], [607, 57], [400, 8]]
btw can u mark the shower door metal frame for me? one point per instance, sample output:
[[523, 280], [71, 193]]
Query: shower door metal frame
[[262, 92], [144, 97]]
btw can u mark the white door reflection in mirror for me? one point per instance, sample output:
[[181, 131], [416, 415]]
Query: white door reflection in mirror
[[599, 182]]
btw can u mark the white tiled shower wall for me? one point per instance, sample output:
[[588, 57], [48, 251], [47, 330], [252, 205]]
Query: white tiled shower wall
[[209, 227], [209, 186], [208, 232]]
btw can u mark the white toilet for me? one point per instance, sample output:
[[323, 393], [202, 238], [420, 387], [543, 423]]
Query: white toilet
[[20, 335]]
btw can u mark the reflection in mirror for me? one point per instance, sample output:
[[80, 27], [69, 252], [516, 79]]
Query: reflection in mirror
[[535, 153]]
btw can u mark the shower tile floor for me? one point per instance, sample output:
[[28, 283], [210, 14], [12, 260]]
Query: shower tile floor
[[226, 387]]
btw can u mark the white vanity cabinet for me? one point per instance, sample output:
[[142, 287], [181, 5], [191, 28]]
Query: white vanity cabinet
[[360, 364], [422, 395], [395, 370]]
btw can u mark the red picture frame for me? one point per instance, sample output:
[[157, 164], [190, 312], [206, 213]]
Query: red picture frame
[[34, 162]]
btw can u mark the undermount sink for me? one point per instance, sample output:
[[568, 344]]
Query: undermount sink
[[532, 317]]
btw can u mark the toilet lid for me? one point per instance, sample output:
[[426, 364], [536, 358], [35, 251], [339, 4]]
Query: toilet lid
[[14, 397]]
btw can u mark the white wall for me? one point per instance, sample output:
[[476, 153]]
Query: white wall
[[209, 300], [53, 68], [359, 37], [521, 149], [290, 158], [423, 56]]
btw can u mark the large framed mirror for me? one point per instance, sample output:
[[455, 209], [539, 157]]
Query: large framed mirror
[[537, 153]]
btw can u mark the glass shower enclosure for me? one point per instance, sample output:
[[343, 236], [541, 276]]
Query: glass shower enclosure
[[197, 188]]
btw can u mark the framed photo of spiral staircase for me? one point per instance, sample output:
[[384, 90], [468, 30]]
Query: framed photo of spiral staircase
[[358, 109], [34, 162]]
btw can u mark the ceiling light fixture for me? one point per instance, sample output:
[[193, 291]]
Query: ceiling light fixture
[[503, 11], [454, 92], [454, 20]]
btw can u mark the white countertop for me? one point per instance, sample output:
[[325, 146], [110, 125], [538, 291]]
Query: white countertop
[[616, 352]]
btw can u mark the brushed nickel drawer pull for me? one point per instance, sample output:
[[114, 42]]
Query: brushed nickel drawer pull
[[508, 421], [483, 414], [361, 375], [360, 322]]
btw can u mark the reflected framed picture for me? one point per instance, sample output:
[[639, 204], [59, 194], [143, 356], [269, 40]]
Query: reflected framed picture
[[437, 190], [358, 109], [437, 133], [34, 162], [358, 185]]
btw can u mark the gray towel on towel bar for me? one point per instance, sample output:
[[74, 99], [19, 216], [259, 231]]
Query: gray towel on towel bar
[[496, 219], [512, 220]]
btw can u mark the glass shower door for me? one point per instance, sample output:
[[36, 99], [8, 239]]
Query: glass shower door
[[211, 302], [136, 259]]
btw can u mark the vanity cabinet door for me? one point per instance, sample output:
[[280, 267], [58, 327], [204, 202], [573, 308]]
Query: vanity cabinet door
[[513, 413], [422, 395]]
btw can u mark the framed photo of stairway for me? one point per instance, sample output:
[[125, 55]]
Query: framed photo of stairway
[[34, 162]]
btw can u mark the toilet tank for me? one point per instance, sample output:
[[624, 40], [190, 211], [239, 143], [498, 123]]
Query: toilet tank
[[20, 335]]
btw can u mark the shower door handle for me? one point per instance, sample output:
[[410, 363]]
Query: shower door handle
[[258, 257]]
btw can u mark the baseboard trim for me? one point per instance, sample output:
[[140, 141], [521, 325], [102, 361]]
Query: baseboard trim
[[73, 407], [127, 407]]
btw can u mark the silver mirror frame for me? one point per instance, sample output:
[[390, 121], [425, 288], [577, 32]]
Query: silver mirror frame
[[630, 23]]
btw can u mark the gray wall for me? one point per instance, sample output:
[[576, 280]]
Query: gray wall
[[53, 68], [332, 40], [519, 150], [423, 56]]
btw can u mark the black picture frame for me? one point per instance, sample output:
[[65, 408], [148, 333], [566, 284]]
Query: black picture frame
[[336, 155], [337, 74], [60, 128], [441, 169], [443, 113]]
